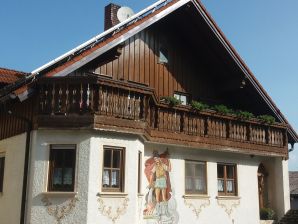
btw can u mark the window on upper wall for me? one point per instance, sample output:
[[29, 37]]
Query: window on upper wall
[[113, 169], [62, 168], [2, 164], [163, 55], [182, 97], [195, 177], [227, 179]]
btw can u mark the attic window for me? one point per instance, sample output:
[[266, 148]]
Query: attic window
[[182, 97], [163, 55]]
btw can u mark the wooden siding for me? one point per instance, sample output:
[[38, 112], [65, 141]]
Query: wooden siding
[[11, 125], [139, 62]]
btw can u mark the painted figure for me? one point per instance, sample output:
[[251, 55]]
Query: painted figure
[[160, 205]]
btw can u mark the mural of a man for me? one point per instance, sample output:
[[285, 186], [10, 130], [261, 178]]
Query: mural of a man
[[160, 205], [159, 172]]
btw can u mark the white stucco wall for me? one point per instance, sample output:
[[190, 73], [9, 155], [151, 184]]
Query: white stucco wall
[[93, 206], [247, 212], [10, 200]]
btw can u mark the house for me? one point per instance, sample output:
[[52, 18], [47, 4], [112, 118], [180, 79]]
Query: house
[[293, 175], [134, 126]]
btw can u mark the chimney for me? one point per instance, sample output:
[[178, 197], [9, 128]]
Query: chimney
[[111, 15]]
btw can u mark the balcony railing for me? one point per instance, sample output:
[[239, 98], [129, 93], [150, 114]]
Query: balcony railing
[[129, 101]]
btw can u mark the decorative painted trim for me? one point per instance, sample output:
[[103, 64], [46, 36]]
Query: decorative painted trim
[[107, 210], [228, 203], [59, 212], [196, 203]]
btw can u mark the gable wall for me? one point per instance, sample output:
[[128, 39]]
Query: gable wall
[[139, 62]]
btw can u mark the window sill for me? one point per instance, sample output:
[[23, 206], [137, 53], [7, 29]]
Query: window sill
[[59, 194], [196, 196], [227, 197], [112, 194], [140, 195]]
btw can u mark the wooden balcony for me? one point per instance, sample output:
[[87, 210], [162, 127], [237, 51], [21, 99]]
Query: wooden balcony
[[103, 103]]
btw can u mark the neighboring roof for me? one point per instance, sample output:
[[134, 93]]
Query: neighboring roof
[[9, 76], [293, 176], [100, 44]]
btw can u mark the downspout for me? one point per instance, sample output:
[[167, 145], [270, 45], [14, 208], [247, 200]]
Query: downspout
[[26, 165]]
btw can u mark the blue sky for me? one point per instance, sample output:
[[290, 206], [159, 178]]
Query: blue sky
[[264, 33]]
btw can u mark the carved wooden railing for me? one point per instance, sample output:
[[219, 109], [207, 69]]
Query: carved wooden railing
[[211, 124], [138, 103]]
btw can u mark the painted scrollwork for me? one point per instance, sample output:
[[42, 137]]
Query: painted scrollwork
[[228, 204], [197, 205], [59, 211], [108, 210]]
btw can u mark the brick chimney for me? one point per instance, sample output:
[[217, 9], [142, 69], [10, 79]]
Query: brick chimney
[[111, 15]]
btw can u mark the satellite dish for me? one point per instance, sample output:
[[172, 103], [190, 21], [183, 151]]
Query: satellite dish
[[124, 13]]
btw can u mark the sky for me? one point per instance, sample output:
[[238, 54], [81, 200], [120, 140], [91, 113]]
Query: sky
[[264, 33]]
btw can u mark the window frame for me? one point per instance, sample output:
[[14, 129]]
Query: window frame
[[225, 179], [2, 171], [64, 147], [193, 192], [121, 169]]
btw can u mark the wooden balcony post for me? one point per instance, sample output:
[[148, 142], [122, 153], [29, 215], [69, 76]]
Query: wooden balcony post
[[248, 126], [53, 100]]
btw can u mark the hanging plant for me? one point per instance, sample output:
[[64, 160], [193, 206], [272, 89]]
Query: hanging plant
[[198, 105], [223, 109], [268, 119], [172, 101], [244, 114]]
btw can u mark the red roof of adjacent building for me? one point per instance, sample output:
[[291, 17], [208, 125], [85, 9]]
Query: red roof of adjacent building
[[8, 76]]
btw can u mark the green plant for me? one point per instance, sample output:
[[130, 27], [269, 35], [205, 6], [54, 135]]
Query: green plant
[[268, 119], [171, 100], [198, 105], [244, 114], [222, 109], [267, 214]]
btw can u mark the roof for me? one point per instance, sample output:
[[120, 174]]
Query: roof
[[105, 41], [9, 76], [293, 176]]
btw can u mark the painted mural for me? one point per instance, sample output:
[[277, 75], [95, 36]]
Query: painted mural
[[160, 204]]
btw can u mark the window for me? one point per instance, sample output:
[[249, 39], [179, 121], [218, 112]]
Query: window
[[195, 177], [182, 97], [2, 164], [163, 55], [62, 168], [139, 172], [226, 179], [113, 169]]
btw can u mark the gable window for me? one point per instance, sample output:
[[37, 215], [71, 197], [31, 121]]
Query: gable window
[[2, 164], [195, 177], [163, 55], [62, 168], [113, 169], [227, 179], [182, 97]]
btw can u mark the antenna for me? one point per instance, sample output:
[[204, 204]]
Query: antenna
[[124, 13]]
